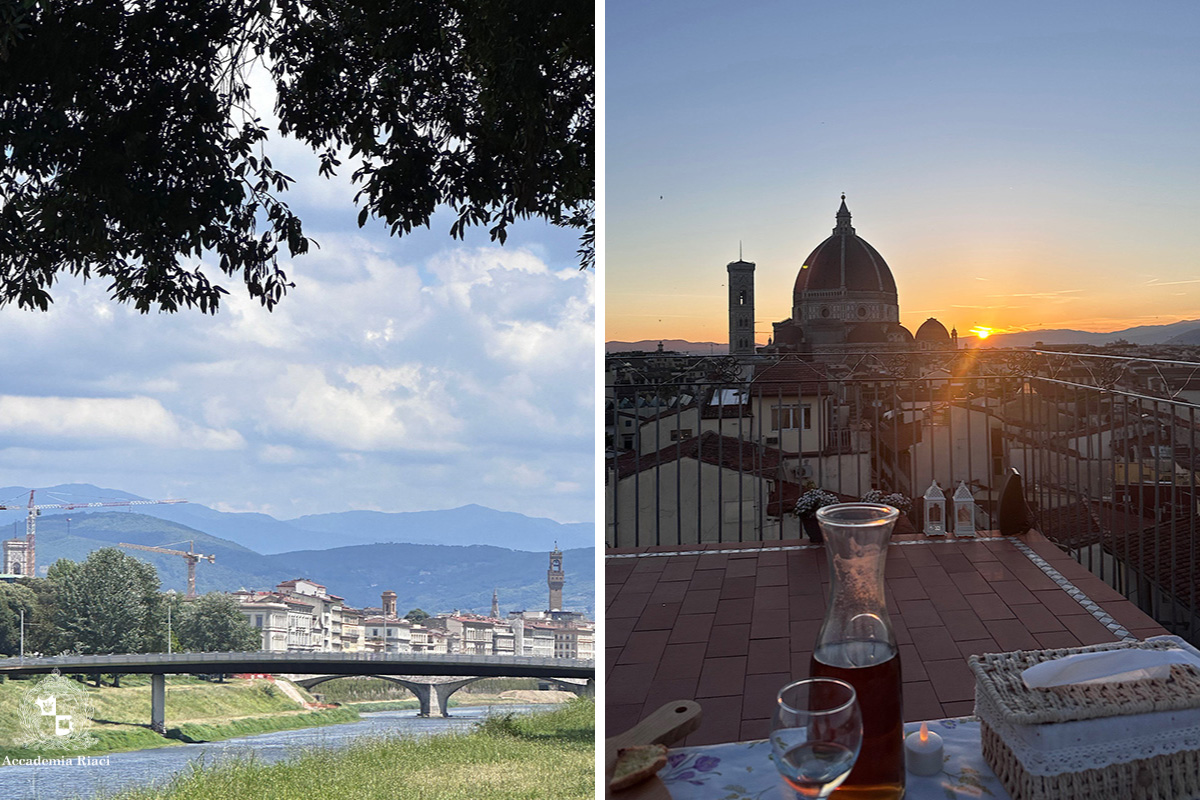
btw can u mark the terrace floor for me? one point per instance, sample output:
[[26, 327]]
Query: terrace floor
[[727, 624]]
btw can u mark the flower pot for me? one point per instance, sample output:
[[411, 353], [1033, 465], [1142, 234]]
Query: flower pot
[[812, 529]]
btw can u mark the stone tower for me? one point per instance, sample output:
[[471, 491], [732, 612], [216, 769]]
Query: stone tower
[[495, 604], [741, 306], [555, 578], [389, 603]]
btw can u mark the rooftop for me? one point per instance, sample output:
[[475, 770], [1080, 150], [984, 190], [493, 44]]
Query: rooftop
[[727, 624]]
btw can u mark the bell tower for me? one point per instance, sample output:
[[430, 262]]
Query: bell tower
[[555, 578], [741, 306]]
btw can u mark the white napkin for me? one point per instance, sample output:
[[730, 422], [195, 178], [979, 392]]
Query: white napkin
[[1107, 666]]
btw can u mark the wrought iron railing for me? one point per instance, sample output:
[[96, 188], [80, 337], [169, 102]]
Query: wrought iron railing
[[710, 450]]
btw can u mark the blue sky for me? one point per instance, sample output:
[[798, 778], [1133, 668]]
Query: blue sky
[[399, 375], [1019, 165]]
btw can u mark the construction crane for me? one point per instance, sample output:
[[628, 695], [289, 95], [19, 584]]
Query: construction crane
[[189, 554], [35, 510]]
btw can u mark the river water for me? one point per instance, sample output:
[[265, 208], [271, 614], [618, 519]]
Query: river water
[[102, 775]]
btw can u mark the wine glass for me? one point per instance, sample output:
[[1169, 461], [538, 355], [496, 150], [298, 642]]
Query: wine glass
[[816, 733]]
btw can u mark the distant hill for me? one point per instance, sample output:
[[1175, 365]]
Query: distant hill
[[470, 524], [673, 345], [1142, 334], [1189, 337], [432, 577], [1183, 332]]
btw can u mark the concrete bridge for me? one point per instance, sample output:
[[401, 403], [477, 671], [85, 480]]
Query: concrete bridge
[[433, 692], [325, 666]]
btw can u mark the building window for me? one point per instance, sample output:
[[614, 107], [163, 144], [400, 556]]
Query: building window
[[742, 297], [791, 417], [258, 620]]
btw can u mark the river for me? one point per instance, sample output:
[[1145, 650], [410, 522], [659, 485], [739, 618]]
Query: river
[[106, 774]]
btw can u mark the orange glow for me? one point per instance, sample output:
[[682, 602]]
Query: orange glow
[[924, 733], [982, 332]]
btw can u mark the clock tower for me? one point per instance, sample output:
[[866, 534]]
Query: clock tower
[[555, 578]]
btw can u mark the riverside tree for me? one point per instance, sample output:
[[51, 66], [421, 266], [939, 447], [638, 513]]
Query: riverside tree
[[108, 603], [214, 623], [14, 598], [129, 149]]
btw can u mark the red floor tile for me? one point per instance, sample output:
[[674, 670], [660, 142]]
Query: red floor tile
[[990, 605], [729, 627], [688, 628]]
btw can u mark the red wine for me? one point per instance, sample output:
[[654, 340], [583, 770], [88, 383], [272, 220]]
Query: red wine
[[879, 772]]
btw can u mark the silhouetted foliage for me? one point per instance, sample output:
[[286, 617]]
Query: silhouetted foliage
[[129, 150]]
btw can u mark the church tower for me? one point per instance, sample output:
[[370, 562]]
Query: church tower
[[741, 306], [555, 578], [495, 604]]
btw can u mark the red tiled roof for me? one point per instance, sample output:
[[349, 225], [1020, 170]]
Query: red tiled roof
[[709, 448], [788, 374]]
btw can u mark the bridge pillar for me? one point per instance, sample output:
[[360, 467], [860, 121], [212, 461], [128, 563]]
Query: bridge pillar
[[158, 703], [433, 697]]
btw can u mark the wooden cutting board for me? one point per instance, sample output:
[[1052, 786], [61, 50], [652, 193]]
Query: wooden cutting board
[[670, 723]]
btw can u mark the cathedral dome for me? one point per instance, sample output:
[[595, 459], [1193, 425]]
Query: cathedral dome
[[867, 333], [844, 262], [932, 331]]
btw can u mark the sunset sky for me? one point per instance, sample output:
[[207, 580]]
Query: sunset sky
[[1018, 165]]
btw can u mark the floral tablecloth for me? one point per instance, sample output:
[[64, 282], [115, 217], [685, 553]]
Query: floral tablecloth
[[743, 770]]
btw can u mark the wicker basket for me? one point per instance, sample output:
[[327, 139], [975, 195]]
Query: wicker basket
[[1040, 720]]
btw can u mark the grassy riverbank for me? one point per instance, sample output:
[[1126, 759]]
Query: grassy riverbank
[[196, 711], [508, 757]]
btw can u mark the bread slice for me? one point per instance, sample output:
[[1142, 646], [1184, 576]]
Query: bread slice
[[636, 764]]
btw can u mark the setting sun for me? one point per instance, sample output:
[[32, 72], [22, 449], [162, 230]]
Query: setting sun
[[982, 332]]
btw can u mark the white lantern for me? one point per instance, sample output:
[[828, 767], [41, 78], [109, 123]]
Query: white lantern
[[935, 510], [964, 511]]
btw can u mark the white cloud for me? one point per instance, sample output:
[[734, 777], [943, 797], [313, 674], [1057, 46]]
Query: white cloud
[[105, 420], [399, 375], [375, 408]]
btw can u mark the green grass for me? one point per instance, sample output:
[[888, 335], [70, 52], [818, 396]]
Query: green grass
[[197, 708], [535, 757]]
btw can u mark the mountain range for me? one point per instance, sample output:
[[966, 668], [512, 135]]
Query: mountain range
[[454, 560], [1184, 332]]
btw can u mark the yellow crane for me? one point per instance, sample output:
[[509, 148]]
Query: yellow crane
[[189, 554]]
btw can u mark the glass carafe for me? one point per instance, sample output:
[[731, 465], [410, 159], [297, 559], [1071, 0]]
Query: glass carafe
[[858, 645]]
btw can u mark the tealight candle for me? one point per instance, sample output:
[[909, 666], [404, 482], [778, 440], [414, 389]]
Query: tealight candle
[[923, 752]]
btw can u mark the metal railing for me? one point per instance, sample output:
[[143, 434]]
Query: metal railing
[[707, 450]]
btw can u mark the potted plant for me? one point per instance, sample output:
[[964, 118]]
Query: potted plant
[[806, 509], [895, 500]]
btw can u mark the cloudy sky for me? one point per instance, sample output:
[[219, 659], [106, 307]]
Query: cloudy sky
[[1019, 165], [399, 375]]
